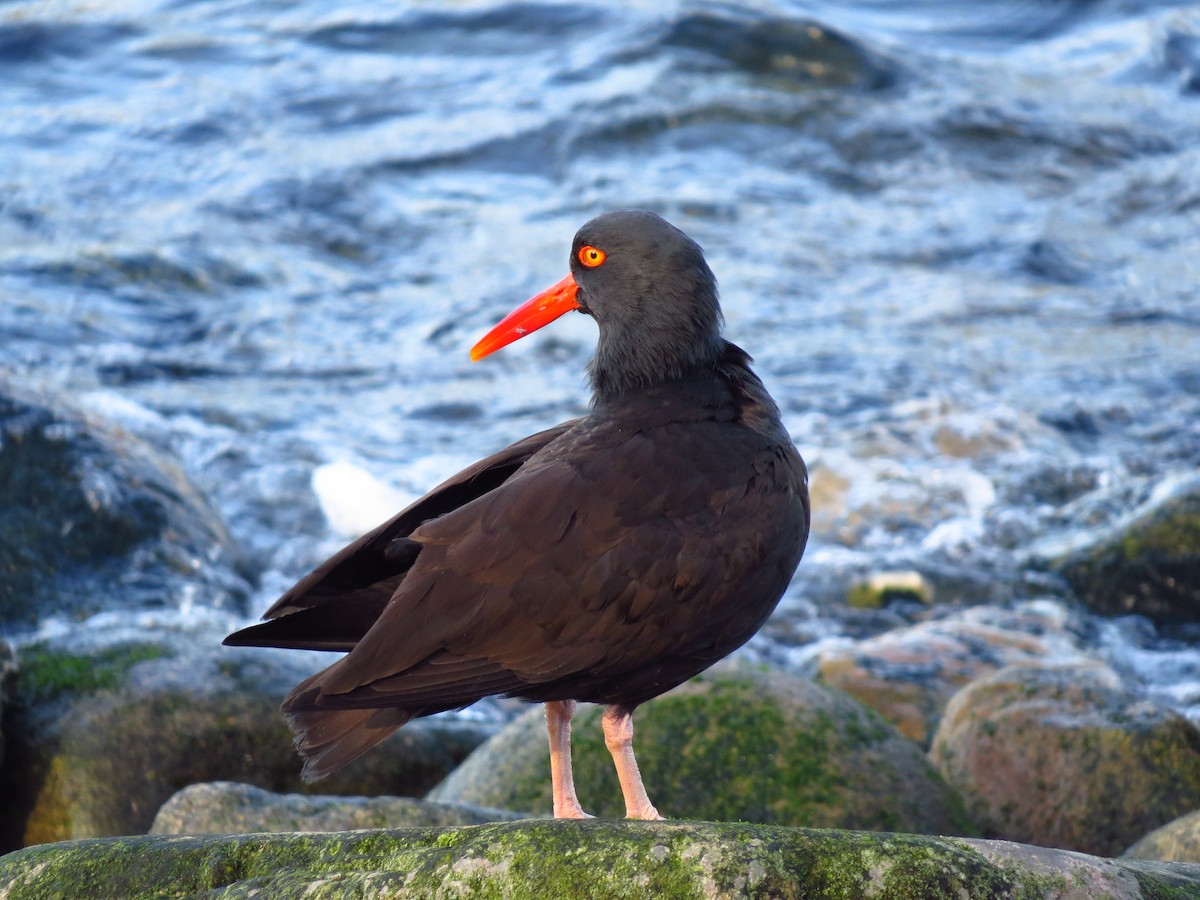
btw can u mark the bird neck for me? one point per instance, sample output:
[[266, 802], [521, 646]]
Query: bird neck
[[630, 362]]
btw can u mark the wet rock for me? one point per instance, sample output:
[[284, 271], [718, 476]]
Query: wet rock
[[99, 739], [227, 807], [908, 675], [95, 519], [1177, 841], [736, 744], [1181, 55], [1063, 756], [1148, 563], [1049, 260], [801, 51], [592, 859]]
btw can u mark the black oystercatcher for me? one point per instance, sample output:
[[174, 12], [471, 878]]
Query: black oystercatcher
[[605, 560]]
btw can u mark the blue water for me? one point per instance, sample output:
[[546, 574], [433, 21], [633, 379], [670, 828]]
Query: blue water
[[962, 241]]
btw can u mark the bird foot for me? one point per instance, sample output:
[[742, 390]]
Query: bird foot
[[647, 812], [572, 812]]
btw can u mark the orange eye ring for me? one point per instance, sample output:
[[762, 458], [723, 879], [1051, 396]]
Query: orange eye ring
[[591, 256]]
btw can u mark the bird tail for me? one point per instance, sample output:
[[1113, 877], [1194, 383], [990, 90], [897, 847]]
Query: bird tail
[[330, 738]]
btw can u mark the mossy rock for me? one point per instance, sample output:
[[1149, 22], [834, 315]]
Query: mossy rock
[[1063, 756], [596, 860], [99, 739], [738, 743], [227, 807], [1148, 564]]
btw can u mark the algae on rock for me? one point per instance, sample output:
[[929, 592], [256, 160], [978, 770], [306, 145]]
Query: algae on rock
[[567, 860]]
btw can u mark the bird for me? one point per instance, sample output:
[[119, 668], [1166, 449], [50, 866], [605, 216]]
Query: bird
[[604, 560]]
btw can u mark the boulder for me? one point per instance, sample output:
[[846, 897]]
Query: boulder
[[99, 738], [737, 743], [1063, 756], [1178, 841], [596, 860], [909, 674], [1147, 563], [94, 518], [227, 807]]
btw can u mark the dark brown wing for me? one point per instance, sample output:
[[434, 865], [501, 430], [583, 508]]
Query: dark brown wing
[[333, 606], [613, 566]]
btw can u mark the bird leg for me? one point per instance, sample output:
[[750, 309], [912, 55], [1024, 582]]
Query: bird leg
[[618, 737], [558, 724]]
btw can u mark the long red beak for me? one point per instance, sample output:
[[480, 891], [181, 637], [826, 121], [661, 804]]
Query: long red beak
[[529, 317]]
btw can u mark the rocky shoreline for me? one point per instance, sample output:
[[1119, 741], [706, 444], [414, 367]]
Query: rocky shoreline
[[993, 723]]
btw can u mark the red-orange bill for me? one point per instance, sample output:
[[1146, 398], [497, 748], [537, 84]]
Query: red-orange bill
[[529, 317]]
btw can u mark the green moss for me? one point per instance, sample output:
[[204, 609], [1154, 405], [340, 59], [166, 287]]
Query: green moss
[[730, 732], [1173, 535], [46, 673], [567, 860], [1150, 566]]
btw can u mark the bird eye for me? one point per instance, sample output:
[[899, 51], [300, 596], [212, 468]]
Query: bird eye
[[591, 256]]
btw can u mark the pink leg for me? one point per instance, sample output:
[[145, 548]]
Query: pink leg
[[558, 724], [618, 737]]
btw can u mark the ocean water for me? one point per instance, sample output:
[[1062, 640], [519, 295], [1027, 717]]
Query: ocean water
[[962, 241]]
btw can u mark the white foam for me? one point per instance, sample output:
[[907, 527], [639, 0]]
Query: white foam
[[353, 500], [957, 535]]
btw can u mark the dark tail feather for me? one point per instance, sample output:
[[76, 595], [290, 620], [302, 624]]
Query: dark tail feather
[[330, 738]]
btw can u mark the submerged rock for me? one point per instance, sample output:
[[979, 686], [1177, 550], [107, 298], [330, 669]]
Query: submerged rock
[[1063, 756], [1147, 564], [99, 738], [227, 807], [94, 518], [734, 744], [567, 860], [798, 52]]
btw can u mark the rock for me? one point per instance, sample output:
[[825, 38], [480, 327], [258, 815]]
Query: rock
[[795, 52], [591, 859], [1178, 841], [909, 674], [226, 807], [99, 739], [1148, 563], [1062, 756], [95, 519], [738, 743], [880, 588]]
